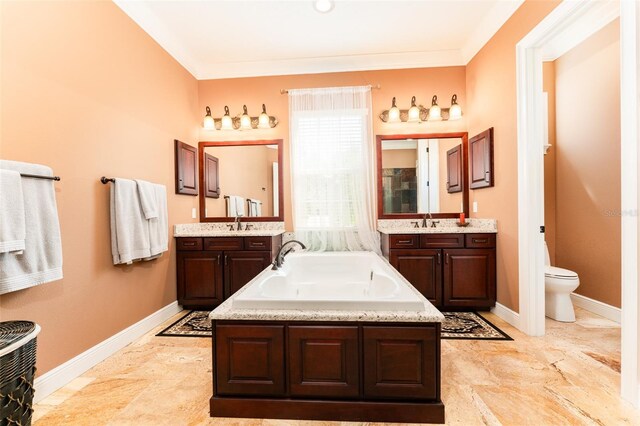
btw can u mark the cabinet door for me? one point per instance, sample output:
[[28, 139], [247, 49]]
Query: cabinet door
[[423, 269], [481, 160], [199, 278], [240, 267], [211, 182], [454, 170], [469, 278], [401, 362], [324, 361], [186, 161], [249, 360]]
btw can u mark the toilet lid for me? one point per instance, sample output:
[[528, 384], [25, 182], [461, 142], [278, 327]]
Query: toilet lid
[[552, 271]]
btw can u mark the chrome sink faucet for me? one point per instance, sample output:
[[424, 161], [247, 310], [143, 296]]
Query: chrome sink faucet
[[238, 223], [277, 263]]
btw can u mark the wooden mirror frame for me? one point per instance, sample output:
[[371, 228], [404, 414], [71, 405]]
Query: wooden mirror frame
[[465, 173], [201, 196]]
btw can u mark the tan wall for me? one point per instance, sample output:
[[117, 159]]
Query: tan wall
[[421, 82], [549, 86], [399, 158], [491, 102], [588, 164], [87, 92], [246, 181]]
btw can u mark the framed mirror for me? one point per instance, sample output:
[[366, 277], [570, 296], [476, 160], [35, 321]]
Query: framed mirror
[[241, 178], [418, 174]]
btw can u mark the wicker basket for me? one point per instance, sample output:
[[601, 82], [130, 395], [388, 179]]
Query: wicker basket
[[17, 368]]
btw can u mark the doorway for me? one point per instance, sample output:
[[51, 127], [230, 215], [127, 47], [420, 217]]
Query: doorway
[[565, 27]]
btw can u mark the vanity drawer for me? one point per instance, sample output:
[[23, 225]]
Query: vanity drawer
[[404, 241], [480, 240], [257, 243], [192, 243], [223, 243], [441, 240]]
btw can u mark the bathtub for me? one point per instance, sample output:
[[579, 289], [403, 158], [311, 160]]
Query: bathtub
[[331, 281]]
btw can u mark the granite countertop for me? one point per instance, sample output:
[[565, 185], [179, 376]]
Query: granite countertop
[[220, 229], [226, 311], [445, 226]]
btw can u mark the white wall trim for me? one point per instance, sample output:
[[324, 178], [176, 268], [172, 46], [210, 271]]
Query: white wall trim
[[506, 314], [63, 374], [597, 307], [630, 161]]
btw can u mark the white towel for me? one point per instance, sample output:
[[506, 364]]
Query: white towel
[[129, 228], [255, 207], [235, 206], [12, 228], [41, 261], [148, 201], [159, 225]]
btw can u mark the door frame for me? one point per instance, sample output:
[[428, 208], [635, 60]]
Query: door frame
[[566, 26]]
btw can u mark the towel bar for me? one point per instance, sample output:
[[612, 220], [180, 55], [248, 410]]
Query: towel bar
[[40, 176], [106, 180]]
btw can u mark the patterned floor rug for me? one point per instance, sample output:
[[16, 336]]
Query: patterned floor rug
[[457, 325]]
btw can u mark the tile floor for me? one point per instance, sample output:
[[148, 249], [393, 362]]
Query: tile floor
[[569, 377]]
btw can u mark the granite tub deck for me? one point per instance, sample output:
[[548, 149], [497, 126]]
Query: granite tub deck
[[326, 364]]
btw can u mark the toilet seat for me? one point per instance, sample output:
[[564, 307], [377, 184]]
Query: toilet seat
[[560, 273]]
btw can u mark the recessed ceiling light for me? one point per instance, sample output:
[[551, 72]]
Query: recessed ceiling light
[[323, 6]]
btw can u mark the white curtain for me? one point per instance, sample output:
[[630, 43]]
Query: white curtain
[[332, 167]]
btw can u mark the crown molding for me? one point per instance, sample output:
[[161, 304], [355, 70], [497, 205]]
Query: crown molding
[[487, 28], [328, 64]]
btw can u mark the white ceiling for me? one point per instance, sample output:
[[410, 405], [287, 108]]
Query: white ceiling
[[223, 39]]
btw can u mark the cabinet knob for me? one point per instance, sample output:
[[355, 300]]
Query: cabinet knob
[[218, 259]]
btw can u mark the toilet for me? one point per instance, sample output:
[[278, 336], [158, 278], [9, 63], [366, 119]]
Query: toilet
[[558, 285]]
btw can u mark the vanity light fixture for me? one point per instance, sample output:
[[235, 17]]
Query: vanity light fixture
[[418, 113], [414, 112], [226, 122], [208, 122], [240, 122], [455, 112], [435, 114], [263, 119], [245, 120], [394, 112]]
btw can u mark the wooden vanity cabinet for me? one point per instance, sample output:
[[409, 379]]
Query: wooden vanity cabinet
[[210, 269], [450, 270], [423, 269]]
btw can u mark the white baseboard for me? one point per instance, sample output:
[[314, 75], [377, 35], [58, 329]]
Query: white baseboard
[[61, 375], [507, 314], [598, 308]]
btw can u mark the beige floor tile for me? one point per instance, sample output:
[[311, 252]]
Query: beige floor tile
[[569, 376]]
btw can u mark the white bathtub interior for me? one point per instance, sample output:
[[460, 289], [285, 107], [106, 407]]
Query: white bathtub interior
[[331, 281]]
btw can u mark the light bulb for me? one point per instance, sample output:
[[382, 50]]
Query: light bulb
[[414, 112], [245, 120], [226, 122], [263, 119], [208, 122], [323, 6], [434, 111], [455, 112], [394, 112]]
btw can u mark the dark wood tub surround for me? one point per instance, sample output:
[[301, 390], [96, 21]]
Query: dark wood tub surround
[[453, 271], [347, 371]]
